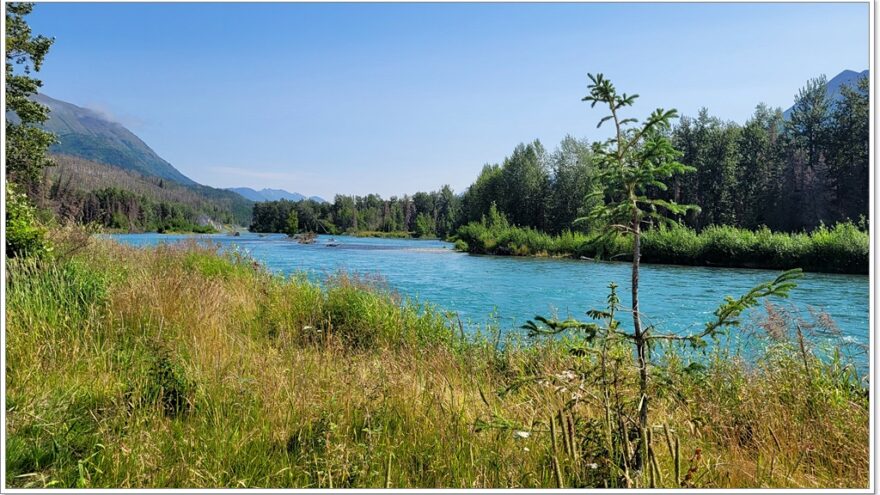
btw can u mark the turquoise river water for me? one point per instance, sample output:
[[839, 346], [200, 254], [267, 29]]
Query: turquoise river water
[[674, 298]]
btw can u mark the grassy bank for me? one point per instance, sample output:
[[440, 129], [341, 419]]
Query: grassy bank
[[179, 367], [839, 249]]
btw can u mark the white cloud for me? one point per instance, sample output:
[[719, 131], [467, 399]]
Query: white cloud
[[126, 120]]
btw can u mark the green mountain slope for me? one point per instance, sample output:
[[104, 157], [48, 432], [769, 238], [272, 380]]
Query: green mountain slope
[[86, 134]]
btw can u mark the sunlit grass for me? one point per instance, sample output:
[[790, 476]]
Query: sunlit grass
[[178, 366]]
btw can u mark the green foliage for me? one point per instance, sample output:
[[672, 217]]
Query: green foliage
[[275, 216], [118, 208], [422, 215], [603, 344], [26, 144], [55, 294], [167, 384], [843, 248], [363, 314], [424, 225], [292, 226], [848, 151], [213, 265], [25, 236], [727, 314], [633, 165], [809, 118]]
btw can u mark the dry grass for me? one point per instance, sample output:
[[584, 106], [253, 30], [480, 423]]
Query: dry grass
[[178, 367]]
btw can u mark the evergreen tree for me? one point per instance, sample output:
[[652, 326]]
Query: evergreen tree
[[849, 153], [638, 158], [26, 143]]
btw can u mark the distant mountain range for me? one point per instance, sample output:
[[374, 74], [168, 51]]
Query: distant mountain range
[[847, 77], [273, 195]]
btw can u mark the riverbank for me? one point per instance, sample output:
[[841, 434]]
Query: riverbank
[[177, 366], [397, 234], [400, 234], [842, 248], [194, 229]]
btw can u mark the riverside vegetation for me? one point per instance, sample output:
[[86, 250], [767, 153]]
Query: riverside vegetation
[[843, 248], [181, 366]]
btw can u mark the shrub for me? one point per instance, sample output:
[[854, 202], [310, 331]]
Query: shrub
[[843, 248], [24, 234]]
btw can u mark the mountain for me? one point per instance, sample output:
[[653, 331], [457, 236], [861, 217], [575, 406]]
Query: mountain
[[86, 134], [269, 194], [105, 149], [317, 199], [847, 77]]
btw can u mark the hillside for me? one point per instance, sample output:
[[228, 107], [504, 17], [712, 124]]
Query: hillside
[[77, 187], [85, 133]]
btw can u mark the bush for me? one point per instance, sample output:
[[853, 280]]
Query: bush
[[843, 248], [24, 234]]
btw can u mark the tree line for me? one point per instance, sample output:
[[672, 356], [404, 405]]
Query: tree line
[[424, 214], [789, 174]]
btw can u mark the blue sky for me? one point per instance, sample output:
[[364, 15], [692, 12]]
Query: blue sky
[[396, 98]]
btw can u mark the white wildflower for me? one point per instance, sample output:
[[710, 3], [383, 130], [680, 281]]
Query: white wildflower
[[522, 434], [594, 466], [567, 375]]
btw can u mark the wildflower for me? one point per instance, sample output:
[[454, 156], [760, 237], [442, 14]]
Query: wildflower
[[593, 465], [525, 449], [567, 375], [522, 434]]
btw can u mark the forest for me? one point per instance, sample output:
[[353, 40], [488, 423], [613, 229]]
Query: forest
[[794, 178], [424, 214], [87, 192]]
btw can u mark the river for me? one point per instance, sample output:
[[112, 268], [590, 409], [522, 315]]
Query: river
[[515, 289]]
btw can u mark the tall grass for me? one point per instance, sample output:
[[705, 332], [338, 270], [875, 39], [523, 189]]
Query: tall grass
[[179, 366], [842, 248]]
